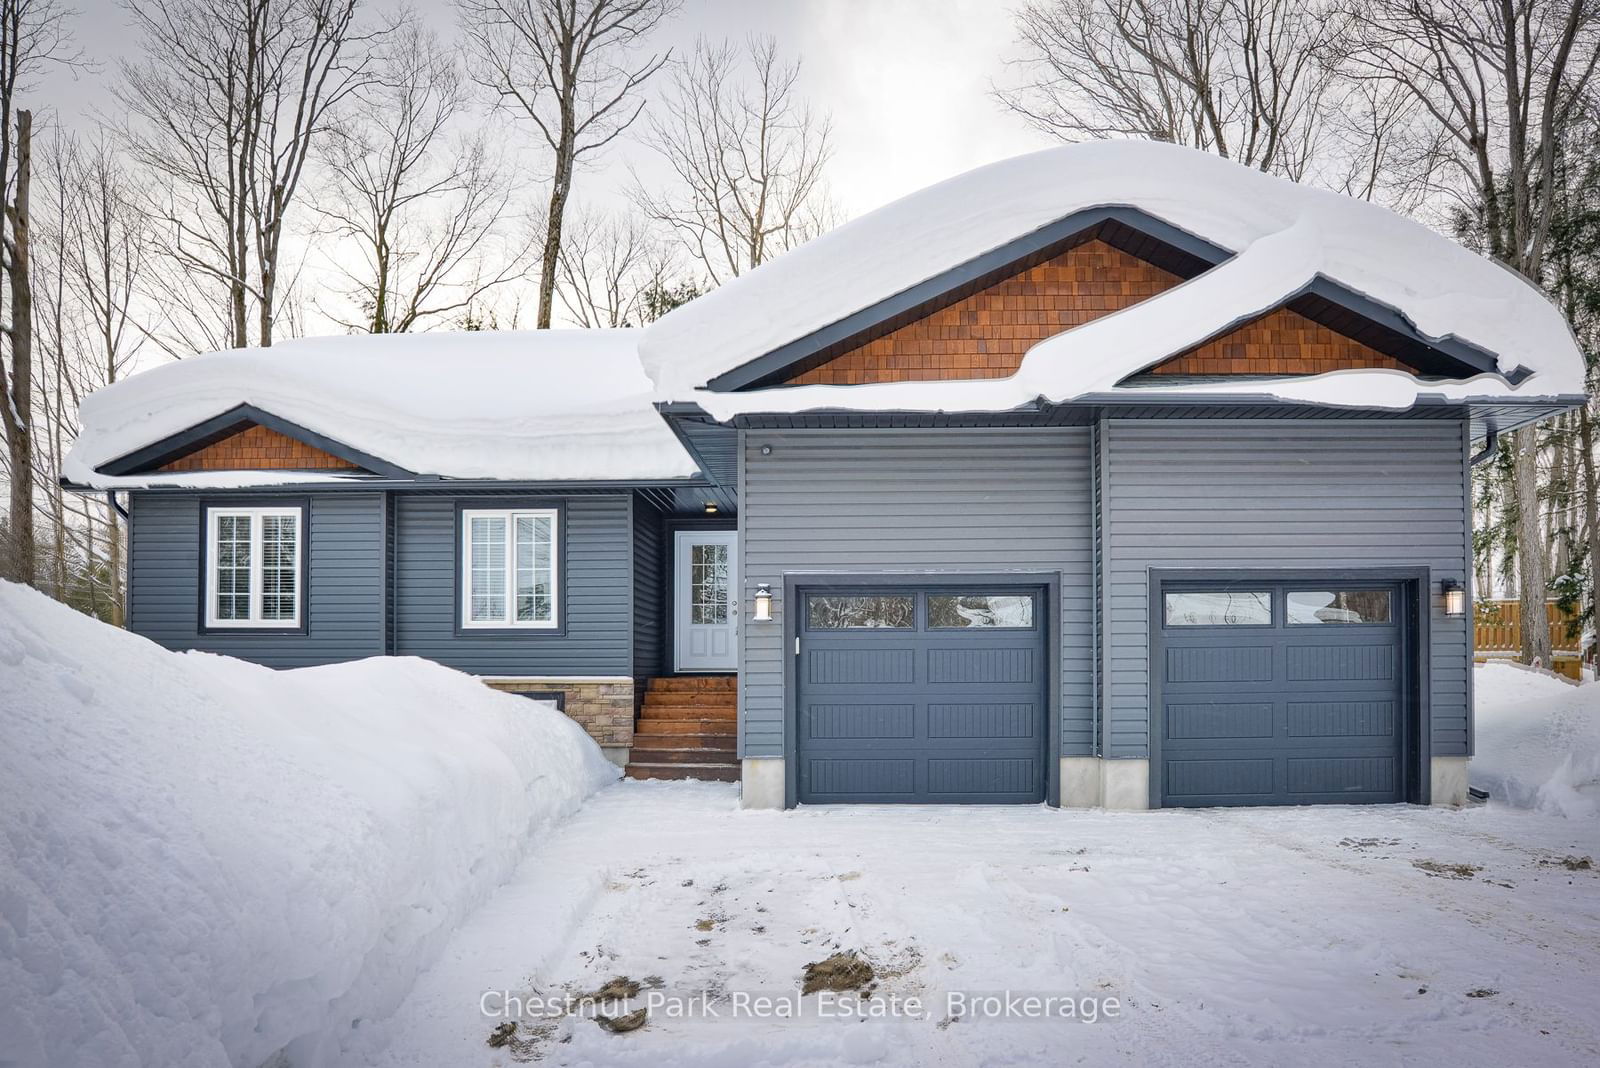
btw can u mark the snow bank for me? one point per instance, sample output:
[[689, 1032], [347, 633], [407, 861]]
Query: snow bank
[[1284, 235], [536, 405], [203, 861], [1538, 740]]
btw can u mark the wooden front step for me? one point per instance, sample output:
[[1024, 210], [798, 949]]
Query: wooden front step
[[687, 729], [692, 683], [709, 739], [671, 715], [641, 754], [687, 725], [690, 699], [703, 772]]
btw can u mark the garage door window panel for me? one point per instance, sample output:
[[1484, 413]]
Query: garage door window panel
[[1338, 607], [956, 611], [862, 612], [1218, 608]]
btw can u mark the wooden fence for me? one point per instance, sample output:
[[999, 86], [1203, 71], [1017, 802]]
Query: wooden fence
[[1498, 628]]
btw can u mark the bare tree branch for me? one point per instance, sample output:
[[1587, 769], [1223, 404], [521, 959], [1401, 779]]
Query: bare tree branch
[[226, 107], [574, 69], [423, 213], [747, 154]]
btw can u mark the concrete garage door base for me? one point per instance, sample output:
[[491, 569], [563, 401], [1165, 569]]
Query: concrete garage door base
[[1090, 782], [1086, 782]]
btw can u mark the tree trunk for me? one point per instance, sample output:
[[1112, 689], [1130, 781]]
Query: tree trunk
[[1534, 582], [58, 536], [1591, 508], [114, 564], [1485, 586], [91, 585], [560, 188], [264, 309], [22, 560], [1560, 535]]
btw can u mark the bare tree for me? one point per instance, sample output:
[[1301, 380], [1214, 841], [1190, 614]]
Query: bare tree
[[106, 247], [1245, 79], [225, 106], [90, 241], [1500, 79], [609, 266], [422, 212], [574, 68], [748, 156], [31, 35]]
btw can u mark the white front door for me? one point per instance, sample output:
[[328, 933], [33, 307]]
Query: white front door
[[706, 601]]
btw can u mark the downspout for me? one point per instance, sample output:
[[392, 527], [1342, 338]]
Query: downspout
[[111, 499], [1490, 443], [1094, 548]]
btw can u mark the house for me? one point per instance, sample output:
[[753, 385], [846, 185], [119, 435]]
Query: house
[[1116, 474]]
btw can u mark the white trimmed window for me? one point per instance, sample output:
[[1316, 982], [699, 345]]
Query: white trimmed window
[[253, 570], [508, 567]]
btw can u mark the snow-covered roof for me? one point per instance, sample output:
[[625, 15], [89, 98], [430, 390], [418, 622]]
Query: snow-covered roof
[[546, 405], [568, 405], [1284, 236]]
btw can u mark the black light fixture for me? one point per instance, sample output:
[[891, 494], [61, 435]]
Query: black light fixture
[[763, 612], [711, 508], [1455, 598]]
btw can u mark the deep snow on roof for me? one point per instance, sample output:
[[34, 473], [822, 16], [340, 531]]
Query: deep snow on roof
[[560, 405], [545, 405], [1283, 235]]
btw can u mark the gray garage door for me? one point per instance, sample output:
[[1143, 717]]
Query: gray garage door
[[1280, 694], [930, 695]]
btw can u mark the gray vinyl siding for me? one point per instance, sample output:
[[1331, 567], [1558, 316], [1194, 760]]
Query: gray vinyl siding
[[649, 589], [344, 592], [596, 592], [1281, 494], [974, 500]]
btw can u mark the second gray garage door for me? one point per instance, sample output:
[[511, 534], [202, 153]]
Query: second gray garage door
[[932, 695], [1279, 693]]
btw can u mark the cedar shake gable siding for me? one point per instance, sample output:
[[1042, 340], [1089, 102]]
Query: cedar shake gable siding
[[1278, 343], [986, 334], [257, 448]]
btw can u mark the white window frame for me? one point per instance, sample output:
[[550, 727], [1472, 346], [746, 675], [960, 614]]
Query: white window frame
[[254, 621], [510, 516]]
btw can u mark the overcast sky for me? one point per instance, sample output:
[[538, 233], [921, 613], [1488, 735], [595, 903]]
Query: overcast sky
[[906, 81]]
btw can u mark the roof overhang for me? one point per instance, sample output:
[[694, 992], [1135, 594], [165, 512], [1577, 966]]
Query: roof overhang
[[663, 493], [1500, 416], [1146, 237], [158, 453]]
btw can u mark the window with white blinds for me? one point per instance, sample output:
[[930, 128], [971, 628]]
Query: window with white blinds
[[253, 570], [508, 569]]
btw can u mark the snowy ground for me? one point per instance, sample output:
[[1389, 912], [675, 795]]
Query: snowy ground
[[1538, 740], [1229, 937]]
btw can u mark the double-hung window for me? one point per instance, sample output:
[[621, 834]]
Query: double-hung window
[[508, 567], [253, 567]]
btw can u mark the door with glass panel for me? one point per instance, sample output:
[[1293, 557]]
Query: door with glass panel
[[706, 603]]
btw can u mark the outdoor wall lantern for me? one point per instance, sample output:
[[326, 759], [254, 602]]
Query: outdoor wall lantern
[[763, 604], [1455, 598]]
